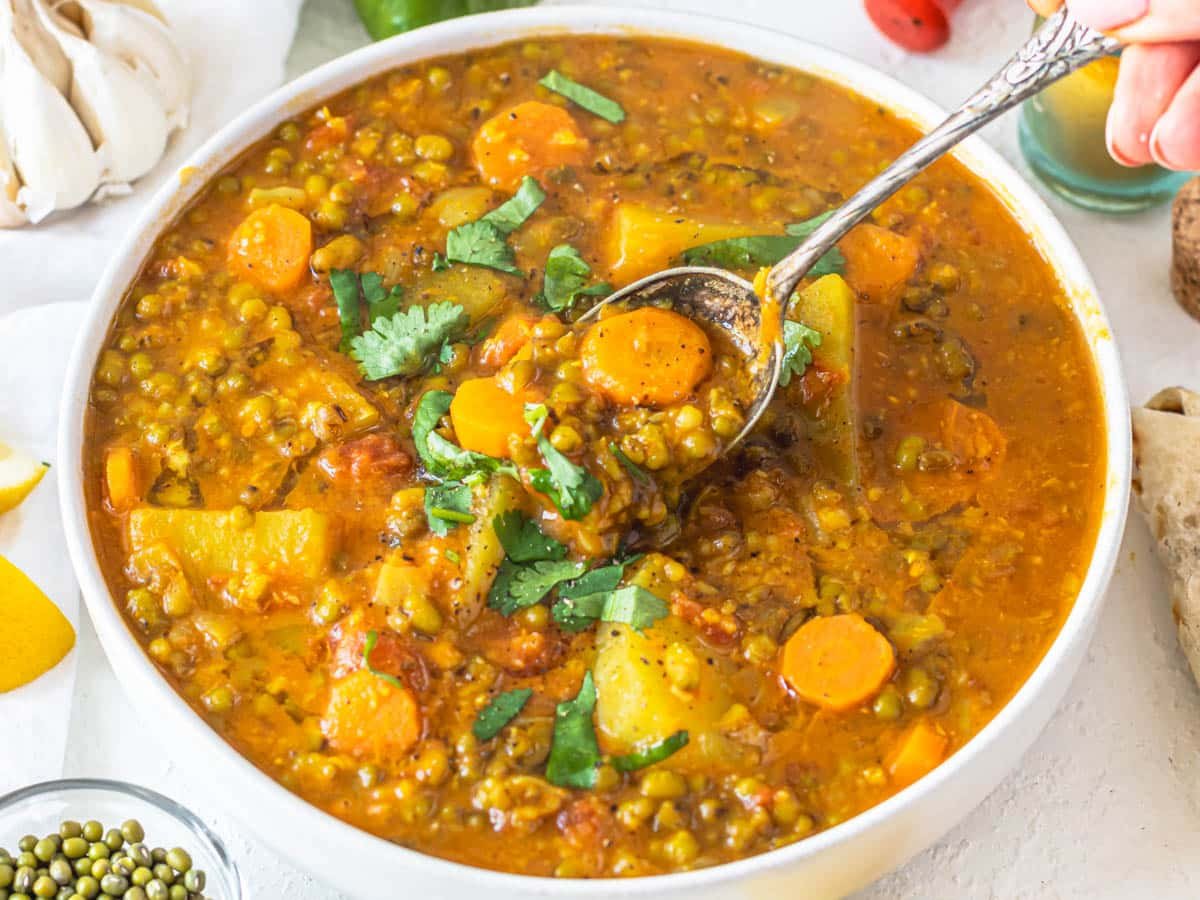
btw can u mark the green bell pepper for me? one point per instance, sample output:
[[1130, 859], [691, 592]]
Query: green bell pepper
[[384, 18]]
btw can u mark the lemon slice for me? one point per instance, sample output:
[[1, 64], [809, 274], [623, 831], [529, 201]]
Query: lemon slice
[[19, 474], [35, 636]]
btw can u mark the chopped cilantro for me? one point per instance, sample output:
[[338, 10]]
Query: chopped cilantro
[[349, 289], [380, 303], [345, 294], [631, 605], [602, 578], [523, 541], [440, 263], [798, 341], [484, 242], [593, 102], [452, 555], [442, 458], [655, 753], [574, 752], [407, 342], [639, 475], [519, 585], [765, 250], [447, 505], [368, 649], [572, 488], [566, 279], [502, 709]]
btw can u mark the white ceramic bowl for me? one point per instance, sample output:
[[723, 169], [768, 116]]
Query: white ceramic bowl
[[828, 864]]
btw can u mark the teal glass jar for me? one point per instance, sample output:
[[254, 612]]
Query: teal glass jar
[[1062, 138]]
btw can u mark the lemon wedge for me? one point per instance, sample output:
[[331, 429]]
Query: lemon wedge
[[19, 474], [35, 636]]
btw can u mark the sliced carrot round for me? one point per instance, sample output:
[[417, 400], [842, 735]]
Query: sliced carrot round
[[837, 662], [484, 414], [529, 138], [369, 717], [647, 357], [271, 248]]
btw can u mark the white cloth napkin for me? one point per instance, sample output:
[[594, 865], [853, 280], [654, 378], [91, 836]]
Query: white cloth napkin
[[33, 343], [236, 51]]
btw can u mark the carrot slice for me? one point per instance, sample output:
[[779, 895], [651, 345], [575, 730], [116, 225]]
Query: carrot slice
[[648, 357], [121, 478], [271, 248], [837, 662], [879, 260], [973, 436], [369, 717], [484, 414], [525, 140], [507, 340], [921, 749]]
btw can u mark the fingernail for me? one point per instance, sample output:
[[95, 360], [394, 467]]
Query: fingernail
[[1105, 15], [1156, 150], [1110, 140]]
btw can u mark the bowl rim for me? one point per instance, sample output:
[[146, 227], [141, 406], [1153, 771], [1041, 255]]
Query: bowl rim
[[253, 787], [172, 808]]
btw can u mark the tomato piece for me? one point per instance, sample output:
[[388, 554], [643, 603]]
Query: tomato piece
[[917, 25]]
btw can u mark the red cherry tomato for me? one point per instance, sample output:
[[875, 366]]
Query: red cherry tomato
[[917, 25], [949, 6]]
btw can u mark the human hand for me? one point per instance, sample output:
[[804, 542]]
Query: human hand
[[1155, 115]]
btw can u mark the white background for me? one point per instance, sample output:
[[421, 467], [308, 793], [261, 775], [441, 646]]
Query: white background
[[1107, 803]]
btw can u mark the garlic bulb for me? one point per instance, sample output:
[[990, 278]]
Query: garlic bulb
[[89, 93]]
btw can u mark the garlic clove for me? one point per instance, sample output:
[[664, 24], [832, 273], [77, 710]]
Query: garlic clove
[[136, 34], [11, 215], [120, 110], [38, 43], [48, 145]]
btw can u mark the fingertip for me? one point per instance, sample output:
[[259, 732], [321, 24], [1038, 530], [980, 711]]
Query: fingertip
[[1175, 143]]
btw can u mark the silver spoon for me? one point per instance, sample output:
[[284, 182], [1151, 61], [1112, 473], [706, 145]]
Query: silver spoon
[[720, 298]]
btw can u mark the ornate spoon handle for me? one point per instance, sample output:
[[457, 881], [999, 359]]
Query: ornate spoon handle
[[1058, 48]]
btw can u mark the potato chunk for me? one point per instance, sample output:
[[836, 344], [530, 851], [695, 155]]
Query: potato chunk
[[289, 543], [644, 240], [653, 684]]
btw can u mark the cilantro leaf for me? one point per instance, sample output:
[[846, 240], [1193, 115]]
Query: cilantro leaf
[[349, 288], [380, 303], [407, 342], [526, 584], [368, 649], [765, 250], [631, 605], [574, 753], [442, 457], [447, 505], [637, 472], [523, 541], [572, 488], [345, 294], [566, 279], [655, 753], [484, 241], [798, 341], [481, 244], [512, 213], [603, 578], [593, 102], [502, 709], [440, 263]]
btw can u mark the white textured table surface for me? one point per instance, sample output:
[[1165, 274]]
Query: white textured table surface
[[1107, 803]]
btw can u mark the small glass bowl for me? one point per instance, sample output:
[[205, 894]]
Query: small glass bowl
[[40, 808]]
